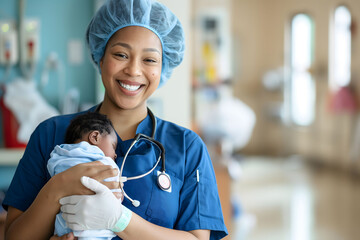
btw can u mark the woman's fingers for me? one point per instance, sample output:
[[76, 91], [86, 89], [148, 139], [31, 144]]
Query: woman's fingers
[[96, 170], [111, 185], [104, 173], [70, 200], [68, 182]]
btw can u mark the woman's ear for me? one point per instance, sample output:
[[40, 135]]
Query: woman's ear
[[94, 137]]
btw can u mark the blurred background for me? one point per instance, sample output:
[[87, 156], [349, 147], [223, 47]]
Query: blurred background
[[271, 86]]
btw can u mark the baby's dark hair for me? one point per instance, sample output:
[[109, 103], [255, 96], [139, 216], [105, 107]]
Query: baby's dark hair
[[85, 123]]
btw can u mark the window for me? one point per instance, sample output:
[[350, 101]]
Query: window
[[301, 87], [340, 49]]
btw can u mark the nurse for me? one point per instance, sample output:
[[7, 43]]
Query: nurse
[[135, 44]]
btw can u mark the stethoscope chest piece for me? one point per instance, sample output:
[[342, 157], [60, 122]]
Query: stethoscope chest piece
[[164, 181]]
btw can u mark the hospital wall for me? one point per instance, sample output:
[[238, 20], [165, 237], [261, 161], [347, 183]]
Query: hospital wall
[[61, 25], [259, 32], [177, 109]]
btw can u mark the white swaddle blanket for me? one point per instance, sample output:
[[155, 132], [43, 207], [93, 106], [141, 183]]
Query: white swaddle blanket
[[28, 106], [66, 156]]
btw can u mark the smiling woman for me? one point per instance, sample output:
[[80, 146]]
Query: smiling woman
[[135, 52]]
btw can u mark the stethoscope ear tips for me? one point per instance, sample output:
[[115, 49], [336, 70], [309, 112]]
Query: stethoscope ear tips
[[136, 203]]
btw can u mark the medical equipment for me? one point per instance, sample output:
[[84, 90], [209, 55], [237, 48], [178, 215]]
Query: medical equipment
[[8, 47], [70, 102], [8, 43], [163, 179], [29, 30], [30, 41]]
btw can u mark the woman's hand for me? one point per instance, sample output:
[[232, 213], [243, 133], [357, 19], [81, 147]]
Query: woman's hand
[[100, 211], [68, 183], [69, 236]]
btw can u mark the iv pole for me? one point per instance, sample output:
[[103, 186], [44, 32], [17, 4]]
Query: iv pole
[[27, 68]]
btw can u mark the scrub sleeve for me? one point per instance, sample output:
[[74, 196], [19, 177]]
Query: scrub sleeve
[[199, 200]]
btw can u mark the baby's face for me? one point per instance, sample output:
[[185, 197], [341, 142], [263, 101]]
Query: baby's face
[[108, 144]]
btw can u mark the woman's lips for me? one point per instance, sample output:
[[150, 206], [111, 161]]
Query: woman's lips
[[128, 88]]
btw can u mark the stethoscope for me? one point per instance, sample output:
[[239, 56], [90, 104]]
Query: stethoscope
[[163, 179]]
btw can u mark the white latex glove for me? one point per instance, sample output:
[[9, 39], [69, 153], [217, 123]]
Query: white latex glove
[[99, 211]]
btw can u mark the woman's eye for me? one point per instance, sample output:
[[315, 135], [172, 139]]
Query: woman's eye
[[150, 60], [120, 55]]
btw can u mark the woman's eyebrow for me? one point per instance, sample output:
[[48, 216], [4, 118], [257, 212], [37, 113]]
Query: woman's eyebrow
[[152, 50], [125, 45]]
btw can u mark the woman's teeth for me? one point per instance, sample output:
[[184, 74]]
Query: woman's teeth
[[130, 87]]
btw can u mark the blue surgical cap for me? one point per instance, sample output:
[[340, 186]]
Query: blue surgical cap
[[118, 14]]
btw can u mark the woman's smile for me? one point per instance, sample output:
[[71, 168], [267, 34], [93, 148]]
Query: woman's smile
[[129, 87]]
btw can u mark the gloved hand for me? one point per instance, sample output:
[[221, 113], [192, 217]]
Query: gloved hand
[[99, 211]]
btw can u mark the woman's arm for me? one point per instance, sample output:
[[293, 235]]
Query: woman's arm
[[37, 222], [141, 229], [104, 211]]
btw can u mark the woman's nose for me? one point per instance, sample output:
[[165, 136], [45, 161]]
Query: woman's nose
[[133, 68]]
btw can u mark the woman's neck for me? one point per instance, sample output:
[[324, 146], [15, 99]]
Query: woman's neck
[[125, 121]]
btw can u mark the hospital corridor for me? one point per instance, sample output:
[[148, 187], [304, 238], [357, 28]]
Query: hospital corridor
[[289, 199], [272, 88]]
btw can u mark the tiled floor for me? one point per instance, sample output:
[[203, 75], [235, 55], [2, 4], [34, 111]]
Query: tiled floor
[[285, 199]]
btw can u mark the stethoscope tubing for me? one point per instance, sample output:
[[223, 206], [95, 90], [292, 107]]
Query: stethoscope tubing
[[142, 175], [151, 139]]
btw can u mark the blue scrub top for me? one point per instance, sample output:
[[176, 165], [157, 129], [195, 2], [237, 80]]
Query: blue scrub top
[[193, 203]]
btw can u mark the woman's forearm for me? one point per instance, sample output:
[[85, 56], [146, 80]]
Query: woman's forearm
[[104, 211], [37, 222], [140, 229]]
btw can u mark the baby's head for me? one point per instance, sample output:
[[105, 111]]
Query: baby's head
[[94, 128]]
